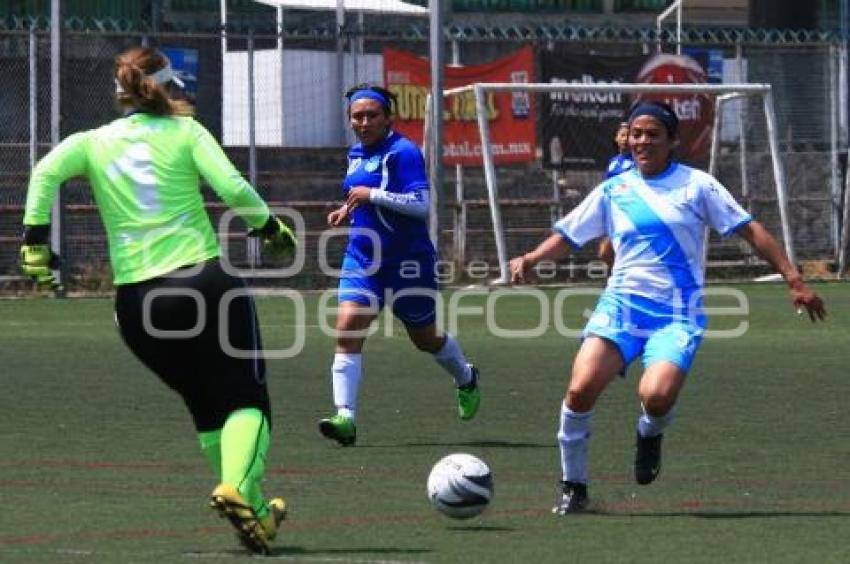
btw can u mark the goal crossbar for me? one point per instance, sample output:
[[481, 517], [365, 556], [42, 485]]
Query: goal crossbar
[[625, 87], [730, 90]]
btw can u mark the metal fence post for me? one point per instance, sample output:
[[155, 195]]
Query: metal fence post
[[460, 211], [57, 240], [437, 57], [33, 96], [252, 247], [742, 131], [834, 181]]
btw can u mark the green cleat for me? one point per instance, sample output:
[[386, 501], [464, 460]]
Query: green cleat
[[469, 397], [339, 428]]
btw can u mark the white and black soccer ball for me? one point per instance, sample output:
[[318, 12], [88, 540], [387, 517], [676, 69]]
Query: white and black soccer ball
[[460, 486]]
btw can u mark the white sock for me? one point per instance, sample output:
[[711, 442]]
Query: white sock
[[650, 425], [451, 358], [345, 375], [573, 439]]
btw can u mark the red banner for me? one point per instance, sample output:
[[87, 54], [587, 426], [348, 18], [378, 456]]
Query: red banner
[[510, 115]]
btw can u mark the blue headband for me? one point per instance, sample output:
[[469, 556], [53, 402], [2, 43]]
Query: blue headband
[[662, 114], [368, 94]]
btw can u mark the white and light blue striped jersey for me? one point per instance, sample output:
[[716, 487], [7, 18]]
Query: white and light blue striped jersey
[[657, 227], [395, 165]]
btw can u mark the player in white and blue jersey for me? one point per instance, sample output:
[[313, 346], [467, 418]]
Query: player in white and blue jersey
[[655, 216], [389, 260]]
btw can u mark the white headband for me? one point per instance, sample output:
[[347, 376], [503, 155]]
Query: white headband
[[166, 74], [162, 76]]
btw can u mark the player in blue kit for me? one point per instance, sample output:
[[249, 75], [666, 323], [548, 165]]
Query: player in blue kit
[[655, 216], [619, 163], [622, 161], [389, 260]]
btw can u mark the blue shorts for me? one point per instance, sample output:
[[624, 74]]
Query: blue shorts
[[409, 287], [640, 326]]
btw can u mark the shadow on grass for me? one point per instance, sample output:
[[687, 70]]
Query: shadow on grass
[[725, 514], [300, 551], [471, 444], [765, 514], [290, 551], [480, 529]]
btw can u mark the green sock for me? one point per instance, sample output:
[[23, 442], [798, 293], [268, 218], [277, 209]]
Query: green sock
[[244, 444], [211, 447]]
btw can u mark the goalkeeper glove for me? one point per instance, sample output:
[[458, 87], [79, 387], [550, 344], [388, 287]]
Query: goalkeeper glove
[[38, 262], [278, 239]]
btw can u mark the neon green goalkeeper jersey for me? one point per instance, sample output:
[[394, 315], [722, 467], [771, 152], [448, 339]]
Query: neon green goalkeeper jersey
[[145, 174]]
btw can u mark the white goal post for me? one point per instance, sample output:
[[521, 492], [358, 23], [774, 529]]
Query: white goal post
[[724, 92]]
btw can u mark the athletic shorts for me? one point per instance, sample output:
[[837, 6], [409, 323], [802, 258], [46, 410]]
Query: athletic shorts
[[643, 327], [408, 287], [173, 325]]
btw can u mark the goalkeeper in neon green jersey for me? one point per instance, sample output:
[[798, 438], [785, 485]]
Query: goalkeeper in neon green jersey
[[144, 169]]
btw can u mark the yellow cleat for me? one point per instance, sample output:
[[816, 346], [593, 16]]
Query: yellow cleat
[[253, 532], [275, 516]]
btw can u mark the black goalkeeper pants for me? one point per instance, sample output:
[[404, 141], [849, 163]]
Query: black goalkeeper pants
[[174, 326]]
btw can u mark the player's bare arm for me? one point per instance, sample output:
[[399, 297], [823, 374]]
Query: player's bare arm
[[768, 248], [553, 248]]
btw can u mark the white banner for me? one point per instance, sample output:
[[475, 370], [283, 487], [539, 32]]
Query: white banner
[[306, 97]]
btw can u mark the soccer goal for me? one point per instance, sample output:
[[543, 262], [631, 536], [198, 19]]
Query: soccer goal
[[737, 144]]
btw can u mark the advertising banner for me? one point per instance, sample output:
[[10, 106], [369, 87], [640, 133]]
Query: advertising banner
[[577, 129], [510, 115]]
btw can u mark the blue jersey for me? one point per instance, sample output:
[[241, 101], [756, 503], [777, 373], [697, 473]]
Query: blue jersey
[[619, 164], [657, 227], [395, 165]]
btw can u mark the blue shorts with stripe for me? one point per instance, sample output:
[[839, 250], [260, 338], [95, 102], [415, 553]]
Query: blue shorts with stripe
[[653, 330], [409, 287]]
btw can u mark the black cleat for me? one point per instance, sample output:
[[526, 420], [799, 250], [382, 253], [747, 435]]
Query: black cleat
[[647, 458], [571, 498]]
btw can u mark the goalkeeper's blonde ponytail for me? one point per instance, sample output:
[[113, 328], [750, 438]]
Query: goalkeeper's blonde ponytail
[[136, 90]]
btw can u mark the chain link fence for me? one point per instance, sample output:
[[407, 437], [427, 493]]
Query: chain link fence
[[294, 151]]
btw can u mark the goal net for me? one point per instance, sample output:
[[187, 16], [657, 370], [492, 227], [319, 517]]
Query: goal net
[[501, 210]]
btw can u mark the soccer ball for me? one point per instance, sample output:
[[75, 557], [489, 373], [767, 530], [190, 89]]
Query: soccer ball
[[460, 486]]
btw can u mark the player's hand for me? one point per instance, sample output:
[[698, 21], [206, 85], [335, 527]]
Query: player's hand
[[38, 262], [804, 298], [278, 239], [338, 216], [520, 269], [356, 196]]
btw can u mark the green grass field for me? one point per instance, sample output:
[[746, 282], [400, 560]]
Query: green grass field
[[98, 460]]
